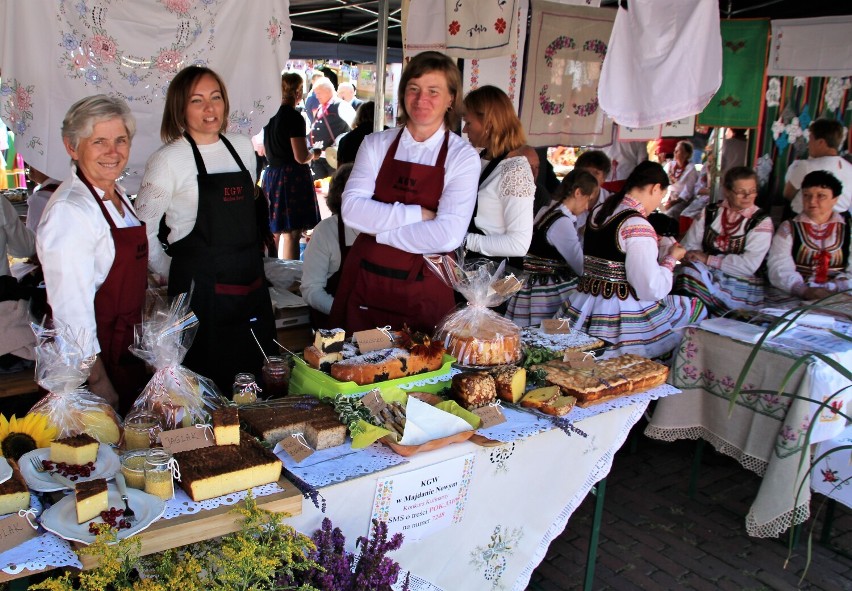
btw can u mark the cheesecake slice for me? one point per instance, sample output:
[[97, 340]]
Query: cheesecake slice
[[329, 341], [90, 498], [14, 494], [78, 450], [226, 425]]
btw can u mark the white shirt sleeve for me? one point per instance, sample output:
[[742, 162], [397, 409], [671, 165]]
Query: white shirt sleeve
[[508, 222], [322, 259], [780, 263], [563, 235], [694, 238], [649, 279], [154, 198], [399, 225], [757, 245]]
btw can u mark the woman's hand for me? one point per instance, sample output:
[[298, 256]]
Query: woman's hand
[[100, 384], [677, 252], [696, 256], [817, 293], [426, 215]]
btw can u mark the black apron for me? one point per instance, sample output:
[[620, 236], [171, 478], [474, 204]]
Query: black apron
[[221, 256]]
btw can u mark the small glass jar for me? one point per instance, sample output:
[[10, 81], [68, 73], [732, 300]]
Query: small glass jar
[[141, 430], [276, 377], [133, 468], [245, 388], [158, 473]]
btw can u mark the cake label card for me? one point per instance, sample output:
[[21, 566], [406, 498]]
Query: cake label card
[[555, 326], [491, 415], [579, 359], [507, 285], [296, 447], [14, 531], [187, 438], [374, 402], [423, 501], [373, 339]]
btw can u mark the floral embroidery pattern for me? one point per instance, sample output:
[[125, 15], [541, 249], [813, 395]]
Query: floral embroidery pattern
[[586, 109], [638, 231], [454, 28], [474, 74], [773, 92], [499, 456], [500, 25], [96, 57], [596, 46], [274, 30], [561, 42], [17, 104], [548, 106], [491, 559]]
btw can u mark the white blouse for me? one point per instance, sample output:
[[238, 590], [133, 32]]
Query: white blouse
[[563, 235], [170, 187], [402, 226], [322, 260], [505, 211]]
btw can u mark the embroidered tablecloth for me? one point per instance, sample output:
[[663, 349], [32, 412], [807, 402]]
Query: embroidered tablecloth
[[765, 432]]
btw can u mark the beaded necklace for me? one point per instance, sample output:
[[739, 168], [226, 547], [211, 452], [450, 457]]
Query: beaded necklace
[[676, 172], [822, 258], [728, 227]]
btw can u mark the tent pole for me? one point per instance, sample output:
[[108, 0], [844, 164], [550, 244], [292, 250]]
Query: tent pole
[[381, 60]]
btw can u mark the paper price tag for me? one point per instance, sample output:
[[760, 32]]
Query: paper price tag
[[296, 448], [579, 359], [373, 400], [490, 415], [14, 531], [507, 285], [372, 340], [187, 438], [555, 326]]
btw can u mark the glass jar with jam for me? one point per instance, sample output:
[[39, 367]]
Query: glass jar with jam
[[245, 388], [158, 473], [133, 468], [276, 377], [141, 430]]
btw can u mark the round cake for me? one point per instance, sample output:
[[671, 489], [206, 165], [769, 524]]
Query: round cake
[[483, 349]]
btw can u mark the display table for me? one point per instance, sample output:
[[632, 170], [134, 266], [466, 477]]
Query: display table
[[765, 432], [520, 497]]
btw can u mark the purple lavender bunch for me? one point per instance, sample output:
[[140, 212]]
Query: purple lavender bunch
[[374, 571], [331, 554]]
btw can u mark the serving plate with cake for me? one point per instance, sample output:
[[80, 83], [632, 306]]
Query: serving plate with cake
[[62, 518], [5, 470], [106, 464], [14, 492]]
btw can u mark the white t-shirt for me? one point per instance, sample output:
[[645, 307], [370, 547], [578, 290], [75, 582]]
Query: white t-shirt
[[836, 165]]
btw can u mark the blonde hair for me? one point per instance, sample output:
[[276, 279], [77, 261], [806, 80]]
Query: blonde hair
[[503, 130]]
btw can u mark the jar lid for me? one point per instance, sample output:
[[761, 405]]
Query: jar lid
[[158, 456], [274, 359], [244, 377]]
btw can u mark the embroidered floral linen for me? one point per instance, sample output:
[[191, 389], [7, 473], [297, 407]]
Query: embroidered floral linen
[[58, 51], [481, 29], [811, 47]]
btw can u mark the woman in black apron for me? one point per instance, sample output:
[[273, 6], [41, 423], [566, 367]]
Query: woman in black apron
[[219, 259]]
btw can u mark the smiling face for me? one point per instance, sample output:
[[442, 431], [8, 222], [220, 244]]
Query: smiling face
[[102, 156], [205, 111], [742, 195], [427, 98], [818, 203]]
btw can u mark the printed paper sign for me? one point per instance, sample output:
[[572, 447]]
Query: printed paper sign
[[187, 438], [422, 502], [14, 531]]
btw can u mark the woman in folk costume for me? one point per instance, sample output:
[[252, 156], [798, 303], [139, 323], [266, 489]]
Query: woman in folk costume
[[726, 246], [93, 248], [622, 296], [202, 180], [809, 256], [682, 179], [555, 259], [411, 192]]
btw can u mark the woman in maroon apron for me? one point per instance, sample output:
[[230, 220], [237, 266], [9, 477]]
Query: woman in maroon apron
[[412, 192], [220, 258], [76, 255]]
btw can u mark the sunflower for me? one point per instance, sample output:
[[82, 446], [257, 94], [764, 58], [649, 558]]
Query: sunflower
[[17, 437]]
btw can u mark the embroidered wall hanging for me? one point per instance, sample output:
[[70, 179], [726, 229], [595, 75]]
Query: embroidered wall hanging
[[481, 29]]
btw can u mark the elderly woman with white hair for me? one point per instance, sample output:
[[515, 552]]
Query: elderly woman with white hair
[[331, 119], [94, 249]]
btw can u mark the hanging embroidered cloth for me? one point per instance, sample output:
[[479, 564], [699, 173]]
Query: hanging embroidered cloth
[[504, 71], [424, 23], [664, 61], [56, 52], [481, 29], [567, 45], [811, 47], [737, 103]]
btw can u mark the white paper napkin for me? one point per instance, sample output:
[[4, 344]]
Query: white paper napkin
[[424, 422]]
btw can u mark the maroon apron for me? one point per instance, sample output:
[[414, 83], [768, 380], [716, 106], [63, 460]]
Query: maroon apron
[[118, 306], [382, 285]]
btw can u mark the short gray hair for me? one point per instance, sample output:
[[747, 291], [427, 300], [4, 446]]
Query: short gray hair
[[81, 118], [323, 83]]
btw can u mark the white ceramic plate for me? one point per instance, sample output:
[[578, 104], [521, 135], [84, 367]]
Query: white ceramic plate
[[106, 465], [5, 470], [61, 518]]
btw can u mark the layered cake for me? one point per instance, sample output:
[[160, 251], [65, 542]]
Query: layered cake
[[474, 389], [329, 340], [607, 379], [533, 336], [14, 494], [90, 499], [274, 423], [319, 360], [219, 470], [385, 364], [77, 449], [226, 425]]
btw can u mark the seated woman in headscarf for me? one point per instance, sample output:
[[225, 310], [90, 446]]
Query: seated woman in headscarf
[[809, 256], [622, 296], [725, 247]]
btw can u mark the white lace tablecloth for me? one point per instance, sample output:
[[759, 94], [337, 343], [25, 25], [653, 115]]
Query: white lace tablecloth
[[342, 463], [181, 504]]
